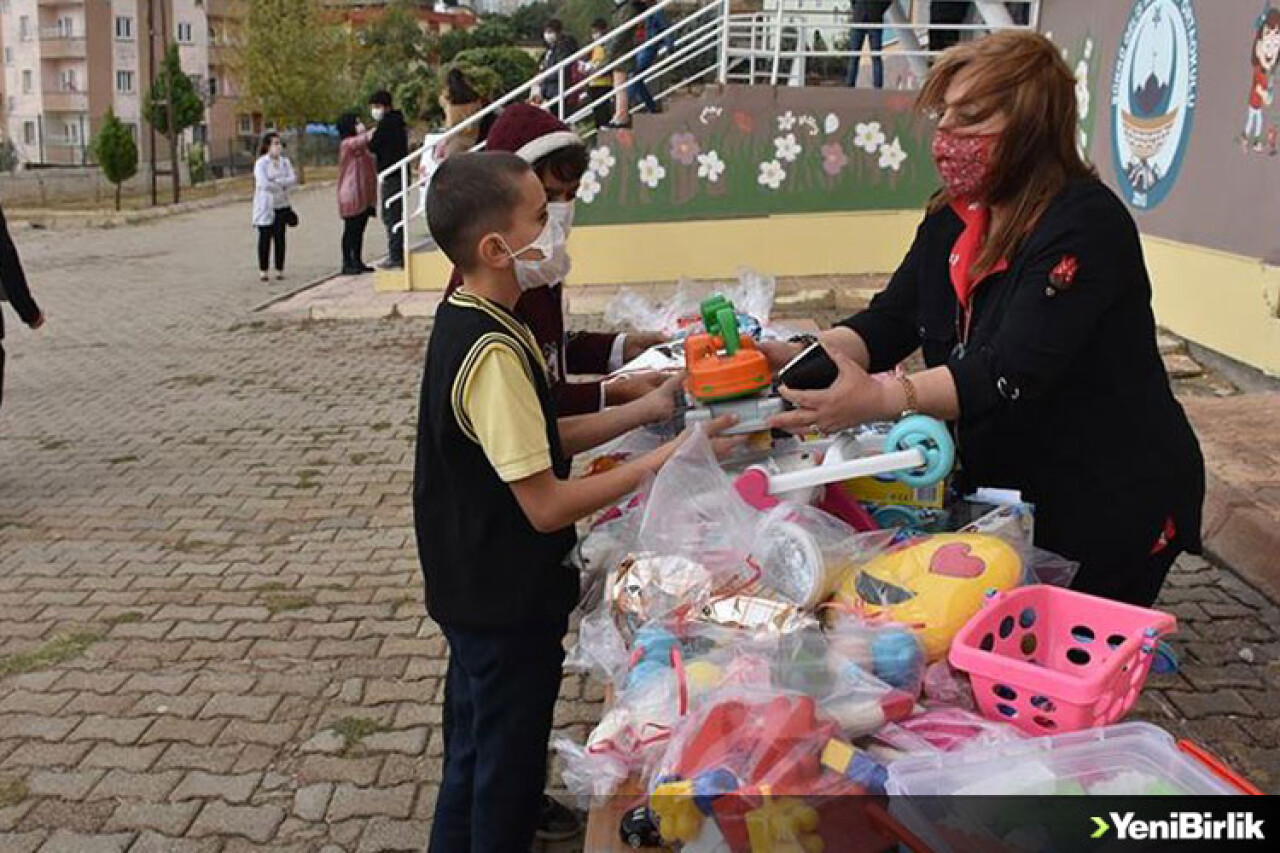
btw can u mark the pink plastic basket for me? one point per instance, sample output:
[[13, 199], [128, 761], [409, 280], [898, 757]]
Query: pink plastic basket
[[1051, 660]]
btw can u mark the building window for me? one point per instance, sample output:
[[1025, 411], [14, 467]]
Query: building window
[[213, 34], [184, 33], [124, 82], [26, 81], [67, 81], [66, 27], [245, 123], [24, 28], [29, 132], [213, 87], [124, 28], [13, 103], [8, 56], [71, 132]]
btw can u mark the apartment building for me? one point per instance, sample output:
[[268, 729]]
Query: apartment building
[[67, 61]]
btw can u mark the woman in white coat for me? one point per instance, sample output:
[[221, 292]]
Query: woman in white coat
[[272, 177]]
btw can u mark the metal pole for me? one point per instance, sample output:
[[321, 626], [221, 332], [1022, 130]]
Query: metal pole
[[151, 81], [722, 76]]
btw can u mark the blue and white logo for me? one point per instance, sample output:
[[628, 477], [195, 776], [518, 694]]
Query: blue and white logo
[[1153, 98]]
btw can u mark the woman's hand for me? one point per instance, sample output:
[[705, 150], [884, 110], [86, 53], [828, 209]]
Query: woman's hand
[[780, 353], [637, 342], [854, 398], [721, 445]]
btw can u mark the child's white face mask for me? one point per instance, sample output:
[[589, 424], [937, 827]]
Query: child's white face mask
[[551, 266]]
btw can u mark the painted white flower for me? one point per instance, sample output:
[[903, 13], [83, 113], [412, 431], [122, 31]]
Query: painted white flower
[[589, 188], [709, 113], [786, 148], [710, 166], [831, 124], [787, 120], [810, 122], [1088, 48], [1084, 144], [602, 161], [1082, 98], [651, 171], [868, 136], [892, 155], [771, 174]]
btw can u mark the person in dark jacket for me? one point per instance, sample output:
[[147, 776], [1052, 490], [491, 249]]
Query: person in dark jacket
[[946, 12], [868, 12], [390, 145], [560, 46], [14, 290], [1027, 292], [559, 158]]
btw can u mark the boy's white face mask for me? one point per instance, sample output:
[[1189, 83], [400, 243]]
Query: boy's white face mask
[[552, 265], [378, 113]]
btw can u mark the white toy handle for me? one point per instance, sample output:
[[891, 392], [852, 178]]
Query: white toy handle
[[867, 466]]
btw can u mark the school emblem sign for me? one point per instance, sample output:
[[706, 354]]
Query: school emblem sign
[[1153, 98]]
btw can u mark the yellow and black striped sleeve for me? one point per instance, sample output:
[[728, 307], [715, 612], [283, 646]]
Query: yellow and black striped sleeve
[[496, 404]]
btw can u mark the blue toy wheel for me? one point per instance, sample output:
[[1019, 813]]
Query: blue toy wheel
[[930, 436], [897, 516]]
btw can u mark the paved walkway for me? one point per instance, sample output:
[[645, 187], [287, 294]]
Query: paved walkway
[[210, 611]]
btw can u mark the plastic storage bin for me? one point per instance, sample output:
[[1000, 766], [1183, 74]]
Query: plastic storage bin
[[1126, 759], [1050, 660]]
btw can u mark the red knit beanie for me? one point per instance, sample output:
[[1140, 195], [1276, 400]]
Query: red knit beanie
[[530, 132]]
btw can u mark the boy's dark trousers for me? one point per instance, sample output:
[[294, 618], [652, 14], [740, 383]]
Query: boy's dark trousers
[[500, 696]]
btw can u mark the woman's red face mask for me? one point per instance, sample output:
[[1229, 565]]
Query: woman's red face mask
[[963, 161]]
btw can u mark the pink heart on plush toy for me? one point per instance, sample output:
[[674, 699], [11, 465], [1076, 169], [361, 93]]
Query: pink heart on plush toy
[[955, 561]]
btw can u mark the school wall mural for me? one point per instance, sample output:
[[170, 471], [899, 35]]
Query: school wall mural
[[1185, 114], [757, 151]]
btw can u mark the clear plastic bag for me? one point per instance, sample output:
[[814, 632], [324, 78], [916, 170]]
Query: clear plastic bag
[[753, 295], [693, 512], [804, 553], [945, 686], [943, 730], [891, 652]]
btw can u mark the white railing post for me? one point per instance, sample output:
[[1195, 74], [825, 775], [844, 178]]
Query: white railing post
[[777, 44], [404, 223], [560, 92], [722, 75]]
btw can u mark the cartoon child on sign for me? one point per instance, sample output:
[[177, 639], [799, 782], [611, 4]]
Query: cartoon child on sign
[[1264, 56]]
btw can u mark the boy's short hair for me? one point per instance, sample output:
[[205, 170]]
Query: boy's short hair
[[472, 195], [600, 24], [555, 25], [567, 164], [381, 98]]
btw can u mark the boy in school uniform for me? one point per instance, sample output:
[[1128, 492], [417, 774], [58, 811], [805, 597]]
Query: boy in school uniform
[[493, 506]]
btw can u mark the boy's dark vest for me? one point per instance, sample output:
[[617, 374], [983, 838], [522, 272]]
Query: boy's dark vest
[[484, 564]]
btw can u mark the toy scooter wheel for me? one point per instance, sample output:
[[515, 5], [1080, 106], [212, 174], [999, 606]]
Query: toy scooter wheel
[[930, 436], [889, 517]]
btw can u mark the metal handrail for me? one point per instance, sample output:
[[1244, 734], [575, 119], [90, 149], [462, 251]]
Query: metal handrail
[[748, 37]]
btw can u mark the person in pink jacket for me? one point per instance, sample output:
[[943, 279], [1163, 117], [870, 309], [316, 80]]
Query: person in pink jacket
[[357, 191]]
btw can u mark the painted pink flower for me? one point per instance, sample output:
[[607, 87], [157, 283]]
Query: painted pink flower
[[684, 148], [743, 120], [833, 159]]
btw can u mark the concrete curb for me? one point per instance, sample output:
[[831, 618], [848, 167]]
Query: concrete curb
[[62, 219], [1241, 537], [292, 293]]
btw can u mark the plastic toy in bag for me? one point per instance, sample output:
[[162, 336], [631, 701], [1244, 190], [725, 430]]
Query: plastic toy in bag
[[804, 553], [944, 730], [648, 587], [934, 584], [753, 295], [892, 653]]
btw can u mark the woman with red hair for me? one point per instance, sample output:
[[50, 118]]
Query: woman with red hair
[[1027, 293]]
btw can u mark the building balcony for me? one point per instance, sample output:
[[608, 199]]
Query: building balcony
[[220, 8], [57, 44], [65, 102], [49, 4]]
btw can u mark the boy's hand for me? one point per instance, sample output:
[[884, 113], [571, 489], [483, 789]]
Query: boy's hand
[[637, 342], [722, 446], [661, 401], [632, 386]]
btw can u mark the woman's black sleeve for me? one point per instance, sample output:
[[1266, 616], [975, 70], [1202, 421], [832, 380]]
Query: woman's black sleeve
[[888, 325]]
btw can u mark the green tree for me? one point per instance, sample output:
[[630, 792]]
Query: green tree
[[115, 151], [512, 65], [294, 61], [493, 31], [173, 90], [452, 43], [530, 20], [577, 16]]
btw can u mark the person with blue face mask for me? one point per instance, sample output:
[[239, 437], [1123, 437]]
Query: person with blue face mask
[[559, 158]]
